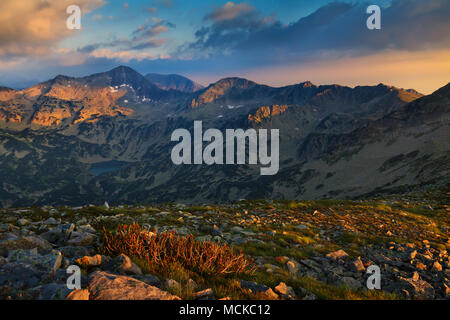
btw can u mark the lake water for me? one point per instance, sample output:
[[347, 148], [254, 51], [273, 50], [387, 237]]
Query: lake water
[[108, 166]]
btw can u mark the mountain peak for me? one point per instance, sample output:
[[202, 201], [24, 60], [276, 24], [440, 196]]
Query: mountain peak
[[174, 82], [221, 88], [306, 84]]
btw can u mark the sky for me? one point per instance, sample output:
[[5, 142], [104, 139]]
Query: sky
[[274, 42]]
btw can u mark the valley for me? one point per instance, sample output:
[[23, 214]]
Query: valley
[[335, 141]]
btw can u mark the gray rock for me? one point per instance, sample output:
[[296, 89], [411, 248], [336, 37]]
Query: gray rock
[[48, 263], [6, 227], [53, 291], [81, 239], [86, 228], [416, 287], [350, 282], [23, 222], [19, 276], [293, 267], [126, 266], [12, 242], [148, 279], [75, 252], [51, 221], [52, 236], [172, 284]]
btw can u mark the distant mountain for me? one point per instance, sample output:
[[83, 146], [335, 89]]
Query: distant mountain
[[108, 136], [174, 82], [126, 77]]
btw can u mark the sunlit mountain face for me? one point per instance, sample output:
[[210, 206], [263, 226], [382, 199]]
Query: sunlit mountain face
[[114, 130]]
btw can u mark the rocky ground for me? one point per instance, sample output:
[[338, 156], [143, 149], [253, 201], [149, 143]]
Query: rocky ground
[[301, 250]]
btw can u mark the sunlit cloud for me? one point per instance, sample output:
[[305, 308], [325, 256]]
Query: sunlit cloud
[[34, 27]]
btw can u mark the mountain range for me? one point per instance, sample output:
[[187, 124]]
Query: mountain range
[[107, 137]]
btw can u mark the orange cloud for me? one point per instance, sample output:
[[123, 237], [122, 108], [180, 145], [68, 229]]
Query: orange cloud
[[32, 27]]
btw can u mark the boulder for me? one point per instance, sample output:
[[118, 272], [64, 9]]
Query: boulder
[[293, 267], [122, 264], [204, 294], [416, 287], [358, 266], [13, 242], [350, 282], [81, 239], [80, 294], [48, 263], [284, 290], [437, 267], [23, 222], [107, 286], [53, 291], [51, 221], [19, 276], [90, 262]]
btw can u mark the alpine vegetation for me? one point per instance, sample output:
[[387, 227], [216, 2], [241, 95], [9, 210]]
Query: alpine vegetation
[[235, 141]]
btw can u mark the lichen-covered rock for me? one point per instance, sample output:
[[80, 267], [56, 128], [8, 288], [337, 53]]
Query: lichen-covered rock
[[14, 242], [48, 263]]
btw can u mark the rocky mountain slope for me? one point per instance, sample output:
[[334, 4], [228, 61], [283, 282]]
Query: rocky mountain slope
[[107, 136], [297, 250], [174, 82]]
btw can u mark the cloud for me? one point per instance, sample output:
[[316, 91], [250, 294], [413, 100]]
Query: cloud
[[229, 26], [143, 37], [230, 11], [34, 27], [125, 56], [241, 33], [164, 3]]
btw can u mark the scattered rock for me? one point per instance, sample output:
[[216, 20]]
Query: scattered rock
[[53, 291], [23, 222], [350, 282], [48, 263], [12, 242], [204, 294], [358, 266], [286, 291], [416, 287], [293, 267], [337, 255], [81, 239], [172, 284], [437, 267], [51, 221], [89, 262]]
